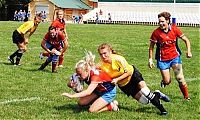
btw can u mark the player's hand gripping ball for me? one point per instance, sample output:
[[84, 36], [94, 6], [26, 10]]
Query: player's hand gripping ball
[[77, 83]]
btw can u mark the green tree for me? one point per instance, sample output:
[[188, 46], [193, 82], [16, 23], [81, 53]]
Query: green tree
[[2, 2]]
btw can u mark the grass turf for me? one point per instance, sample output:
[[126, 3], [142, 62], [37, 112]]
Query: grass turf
[[27, 93]]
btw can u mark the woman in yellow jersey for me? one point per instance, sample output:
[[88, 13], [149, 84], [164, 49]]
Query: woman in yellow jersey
[[20, 38], [128, 78]]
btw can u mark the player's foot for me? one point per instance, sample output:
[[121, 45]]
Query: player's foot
[[11, 60], [162, 110], [162, 84], [17, 63], [55, 71], [60, 66], [163, 96], [187, 98], [114, 105], [164, 113], [41, 67], [41, 55]]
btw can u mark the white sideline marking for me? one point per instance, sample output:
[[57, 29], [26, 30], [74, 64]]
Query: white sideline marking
[[186, 79], [20, 100]]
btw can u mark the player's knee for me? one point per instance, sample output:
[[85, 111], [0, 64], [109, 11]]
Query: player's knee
[[167, 82], [180, 80], [92, 110], [143, 100], [21, 50], [82, 103]]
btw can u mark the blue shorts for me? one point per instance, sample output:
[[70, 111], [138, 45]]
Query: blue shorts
[[53, 58], [163, 65], [108, 96]]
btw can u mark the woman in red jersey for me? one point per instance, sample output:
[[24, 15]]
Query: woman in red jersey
[[51, 44], [168, 53], [100, 92], [60, 25]]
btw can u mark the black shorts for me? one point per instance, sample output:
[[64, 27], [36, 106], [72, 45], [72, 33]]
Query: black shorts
[[17, 37], [132, 87]]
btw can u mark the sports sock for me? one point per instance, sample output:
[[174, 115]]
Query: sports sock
[[18, 58], [109, 106], [154, 98], [54, 64], [61, 59], [43, 65], [14, 54], [184, 90]]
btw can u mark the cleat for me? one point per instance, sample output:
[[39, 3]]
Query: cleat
[[41, 55], [163, 96], [162, 110], [55, 71], [114, 105], [164, 113], [11, 60], [187, 98], [60, 66], [162, 84], [17, 63]]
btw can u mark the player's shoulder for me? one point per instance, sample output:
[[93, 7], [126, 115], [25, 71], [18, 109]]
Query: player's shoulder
[[117, 57]]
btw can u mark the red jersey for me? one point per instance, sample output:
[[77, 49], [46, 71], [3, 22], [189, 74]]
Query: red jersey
[[103, 80], [59, 24], [167, 48], [56, 41]]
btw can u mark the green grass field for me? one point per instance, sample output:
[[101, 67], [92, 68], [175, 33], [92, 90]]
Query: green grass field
[[26, 93]]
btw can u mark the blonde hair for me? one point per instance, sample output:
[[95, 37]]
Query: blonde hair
[[81, 64], [89, 58], [87, 62]]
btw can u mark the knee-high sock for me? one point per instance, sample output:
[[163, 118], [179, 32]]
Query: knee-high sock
[[54, 64], [14, 54], [154, 98], [19, 55], [184, 90], [44, 65], [61, 59]]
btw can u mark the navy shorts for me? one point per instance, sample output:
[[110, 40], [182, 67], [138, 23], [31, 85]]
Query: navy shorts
[[17, 37], [131, 88]]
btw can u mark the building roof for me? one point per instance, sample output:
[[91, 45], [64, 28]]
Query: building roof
[[94, 0], [74, 4]]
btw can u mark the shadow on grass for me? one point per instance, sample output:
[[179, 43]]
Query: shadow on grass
[[146, 109], [6, 63], [36, 70], [74, 107], [126, 108], [142, 109]]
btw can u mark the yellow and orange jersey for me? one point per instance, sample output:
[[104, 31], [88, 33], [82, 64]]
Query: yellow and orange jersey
[[118, 67], [27, 27]]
